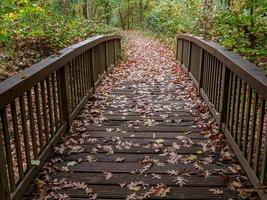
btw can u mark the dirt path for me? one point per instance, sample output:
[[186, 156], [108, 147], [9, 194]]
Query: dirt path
[[144, 134]]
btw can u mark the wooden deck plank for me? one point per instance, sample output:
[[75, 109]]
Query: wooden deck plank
[[186, 193]]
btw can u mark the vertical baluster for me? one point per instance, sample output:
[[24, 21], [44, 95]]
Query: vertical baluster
[[247, 121], [50, 107], [229, 99], [115, 52], [259, 135], [206, 74], [182, 41], [32, 124], [88, 76], [64, 94], [205, 67], [213, 74], [54, 92], [189, 56], [253, 126], [106, 55], [219, 88], [17, 139], [80, 66], [38, 114], [77, 70], [4, 188], [92, 68], [79, 60], [75, 82], [71, 83], [215, 88], [210, 76], [225, 93], [78, 80], [201, 67], [237, 108], [264, 160], [243, 104], [25, 131], [8, 150], [83, 75], [44, 103], [216, 83], [232, 110], [59, 99]]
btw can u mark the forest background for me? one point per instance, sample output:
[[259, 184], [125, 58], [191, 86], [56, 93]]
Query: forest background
[[31, 30]]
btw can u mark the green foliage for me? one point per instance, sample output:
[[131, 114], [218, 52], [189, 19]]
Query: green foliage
[[243, 28], [240, 26], [170, 17], [44, 20], [32, 30]]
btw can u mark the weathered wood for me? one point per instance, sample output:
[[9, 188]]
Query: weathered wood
[[99, 179], [241, 85], [16, 85], [185, 193], [4, 186], [17, 140], [25, 130], [32, 127], [38, 104], [65, 97], [8, 151]]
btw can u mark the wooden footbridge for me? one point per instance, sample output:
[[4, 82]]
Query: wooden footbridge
[[78, 126]]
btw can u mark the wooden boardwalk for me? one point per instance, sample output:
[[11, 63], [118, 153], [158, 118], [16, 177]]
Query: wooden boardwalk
[[144, 134]]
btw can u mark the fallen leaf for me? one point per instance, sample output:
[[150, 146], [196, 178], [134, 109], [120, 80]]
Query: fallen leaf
[[35, 162], [108, 175]]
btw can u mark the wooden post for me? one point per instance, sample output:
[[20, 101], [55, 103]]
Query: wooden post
[[63, 74], [224, 95]]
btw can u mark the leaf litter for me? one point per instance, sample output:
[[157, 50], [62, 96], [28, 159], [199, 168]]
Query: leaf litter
[[139, 91]]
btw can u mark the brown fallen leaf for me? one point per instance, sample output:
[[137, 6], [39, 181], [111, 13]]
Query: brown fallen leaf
[[161, 190]]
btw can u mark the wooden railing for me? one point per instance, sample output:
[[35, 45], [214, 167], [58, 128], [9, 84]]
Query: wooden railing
[[236, 93], [39, 104]]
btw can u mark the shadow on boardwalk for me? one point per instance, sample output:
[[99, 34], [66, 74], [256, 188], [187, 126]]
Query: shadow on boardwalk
[[144, 134]]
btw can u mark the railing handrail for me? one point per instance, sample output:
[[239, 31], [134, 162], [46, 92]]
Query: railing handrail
[[39, 104], [22, 81], [235, 91], [249, 72]]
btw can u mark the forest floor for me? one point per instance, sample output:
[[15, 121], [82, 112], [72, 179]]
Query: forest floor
[[145, 133]]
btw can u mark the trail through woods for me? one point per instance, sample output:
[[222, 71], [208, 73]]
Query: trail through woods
[[144, 134]]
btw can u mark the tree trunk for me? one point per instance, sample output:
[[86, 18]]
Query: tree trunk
[[85, 9], [252, 36], [141, 11], [128, 14], [122, 21]]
